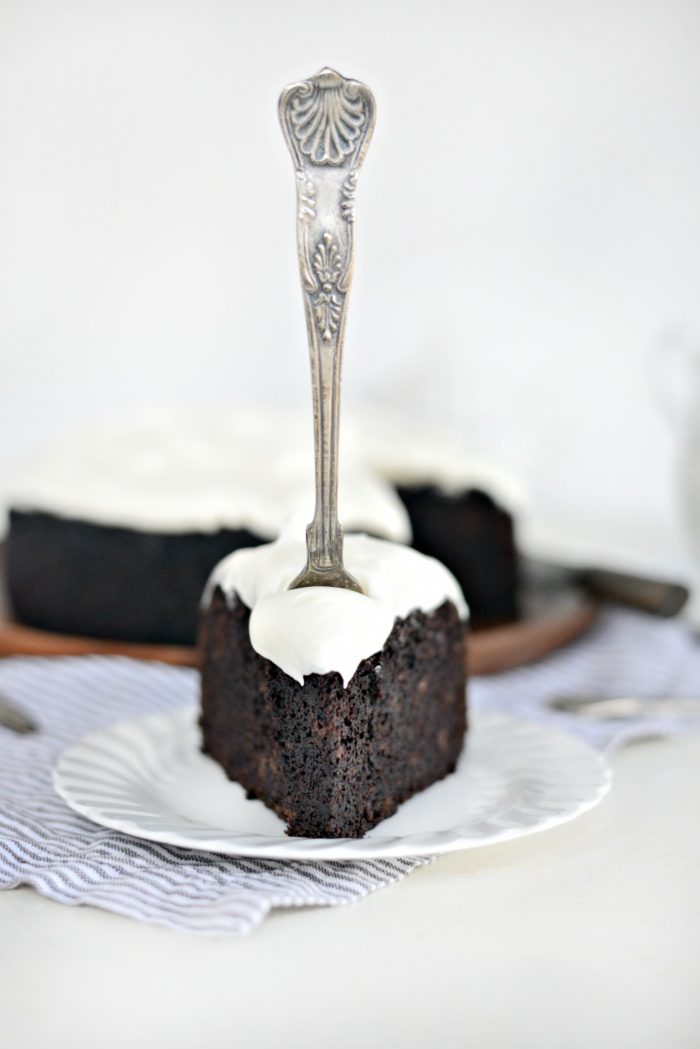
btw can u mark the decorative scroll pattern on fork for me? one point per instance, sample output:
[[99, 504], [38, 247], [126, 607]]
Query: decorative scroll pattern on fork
[[327, 123]]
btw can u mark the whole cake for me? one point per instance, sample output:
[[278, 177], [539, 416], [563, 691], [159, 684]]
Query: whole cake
[[330, 706], [114, 533]]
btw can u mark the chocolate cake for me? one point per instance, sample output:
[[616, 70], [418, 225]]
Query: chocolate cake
[[333, 707], [115, 533], [461, 509], [473, 536], [77, 577]]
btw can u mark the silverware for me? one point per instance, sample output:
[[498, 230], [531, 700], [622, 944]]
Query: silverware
[[659, 597], [13, 718], [622, 708], [327, 123], [656, 596]]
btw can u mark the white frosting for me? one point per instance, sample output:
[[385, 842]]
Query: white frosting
[[405, 453], [245, 469], [321, 629], [174, 475]]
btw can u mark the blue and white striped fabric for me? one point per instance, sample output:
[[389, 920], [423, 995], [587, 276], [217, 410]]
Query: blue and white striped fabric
[[625, 654], [44, 844]]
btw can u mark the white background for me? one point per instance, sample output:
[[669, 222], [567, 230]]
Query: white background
[[528, 227]]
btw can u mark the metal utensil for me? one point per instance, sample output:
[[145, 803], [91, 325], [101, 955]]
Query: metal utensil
[[658, 597], [15, 719], [623, 708], [327, 123]]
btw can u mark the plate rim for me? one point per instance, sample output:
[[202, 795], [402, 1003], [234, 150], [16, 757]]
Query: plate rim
[[284, 848]]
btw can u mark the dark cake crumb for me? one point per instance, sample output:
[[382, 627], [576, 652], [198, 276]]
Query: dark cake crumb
[[333, 762]]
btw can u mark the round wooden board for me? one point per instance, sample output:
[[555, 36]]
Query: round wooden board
[[515, 644], [19, 640], [554, 613], [489, 651]]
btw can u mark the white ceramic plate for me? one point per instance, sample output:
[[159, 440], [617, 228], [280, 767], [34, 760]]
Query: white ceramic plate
[[148, 778]]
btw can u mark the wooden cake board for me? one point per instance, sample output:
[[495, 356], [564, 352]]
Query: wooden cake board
[[553, 615], [489, 651]]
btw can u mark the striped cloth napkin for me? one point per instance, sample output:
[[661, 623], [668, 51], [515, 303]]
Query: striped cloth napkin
[[71, 860]]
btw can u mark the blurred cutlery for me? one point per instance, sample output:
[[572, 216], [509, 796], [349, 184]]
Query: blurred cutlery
[[659, 597], [13, 718], [623, 708]]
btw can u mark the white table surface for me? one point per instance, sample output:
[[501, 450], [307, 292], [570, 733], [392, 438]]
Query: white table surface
[[584, 936]]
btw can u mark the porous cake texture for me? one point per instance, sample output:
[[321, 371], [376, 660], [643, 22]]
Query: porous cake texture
[[333, 761]]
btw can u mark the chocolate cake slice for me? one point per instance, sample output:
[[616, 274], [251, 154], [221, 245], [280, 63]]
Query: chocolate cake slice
[[329, 706]]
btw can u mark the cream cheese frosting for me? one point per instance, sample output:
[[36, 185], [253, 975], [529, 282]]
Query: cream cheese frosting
[[169, 474], [247, 468], [414, 454], [322, 629]]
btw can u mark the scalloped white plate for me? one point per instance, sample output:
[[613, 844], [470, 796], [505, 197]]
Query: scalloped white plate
[[148, 778]]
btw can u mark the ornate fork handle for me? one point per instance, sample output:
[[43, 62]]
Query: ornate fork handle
[[327, 123]]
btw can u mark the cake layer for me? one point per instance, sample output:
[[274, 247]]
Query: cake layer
[[330, 760], [114, 533], [116, 583], [473, 537]]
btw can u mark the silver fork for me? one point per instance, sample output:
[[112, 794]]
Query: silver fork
[[327, 123]]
